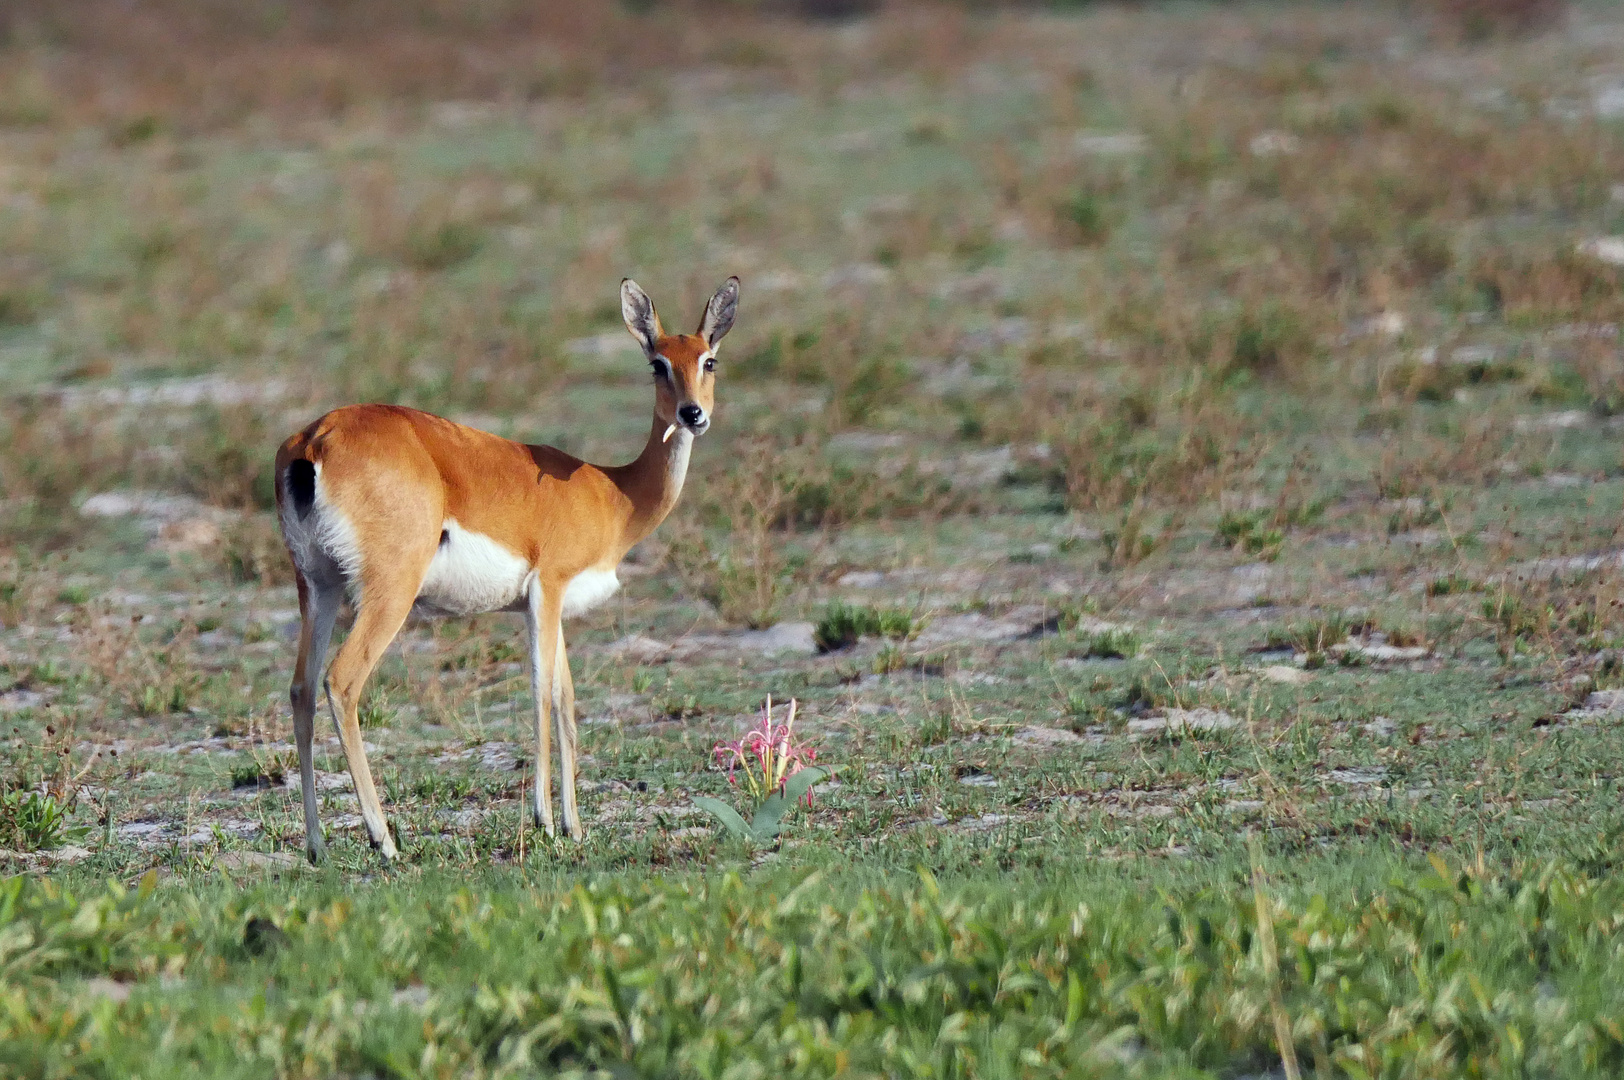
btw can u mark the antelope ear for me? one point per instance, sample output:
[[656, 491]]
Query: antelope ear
[[638, 311], [719, 312]]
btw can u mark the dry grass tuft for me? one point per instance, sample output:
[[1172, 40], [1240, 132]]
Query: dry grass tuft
[[1176, 445], [140, 675], [742, 564]]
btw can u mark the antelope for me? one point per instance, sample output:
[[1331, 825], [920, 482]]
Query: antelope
[[407, 512]]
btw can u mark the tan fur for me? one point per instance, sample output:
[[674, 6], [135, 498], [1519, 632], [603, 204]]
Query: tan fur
[[396, 474]]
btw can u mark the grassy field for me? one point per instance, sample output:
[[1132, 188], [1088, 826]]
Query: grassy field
[[1170, 453]]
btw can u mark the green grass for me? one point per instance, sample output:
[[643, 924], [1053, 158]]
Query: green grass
[[843, 625], [816, 973], [1109, 644], [36, 821]]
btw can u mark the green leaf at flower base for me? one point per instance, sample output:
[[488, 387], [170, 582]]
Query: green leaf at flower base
[[724, 813], [796, 787], [769, 816]]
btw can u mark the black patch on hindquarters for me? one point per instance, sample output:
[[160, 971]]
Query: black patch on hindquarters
[[301, 486]]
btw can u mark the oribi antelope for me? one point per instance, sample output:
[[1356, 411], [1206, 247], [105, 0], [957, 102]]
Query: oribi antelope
[[407, 512]]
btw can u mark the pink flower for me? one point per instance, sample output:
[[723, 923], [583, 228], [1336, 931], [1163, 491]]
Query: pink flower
[[767, 754]]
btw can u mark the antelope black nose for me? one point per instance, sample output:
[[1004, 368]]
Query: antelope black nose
[[690, 414]]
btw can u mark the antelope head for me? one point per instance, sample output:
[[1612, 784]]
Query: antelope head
[[684, 364]]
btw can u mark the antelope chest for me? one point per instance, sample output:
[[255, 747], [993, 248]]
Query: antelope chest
[[588, 589]]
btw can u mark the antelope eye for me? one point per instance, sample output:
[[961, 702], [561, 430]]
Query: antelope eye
[[710, 363]]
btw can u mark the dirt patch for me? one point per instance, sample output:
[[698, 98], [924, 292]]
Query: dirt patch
[[1182, 722], [782, 639], [495, 756], [1047, 736]]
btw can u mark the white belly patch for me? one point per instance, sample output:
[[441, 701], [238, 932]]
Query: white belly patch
[[588, 589], [471, 573]]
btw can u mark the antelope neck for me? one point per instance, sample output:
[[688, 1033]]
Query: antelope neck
[[653, 482]]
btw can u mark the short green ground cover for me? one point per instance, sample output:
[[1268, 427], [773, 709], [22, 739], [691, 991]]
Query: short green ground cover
[[1385, 969]]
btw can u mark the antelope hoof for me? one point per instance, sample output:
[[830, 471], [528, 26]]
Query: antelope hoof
[[316, 852], [386, 848]]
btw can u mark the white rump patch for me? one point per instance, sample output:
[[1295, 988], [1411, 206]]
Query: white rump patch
[[324, 533], [336, 536], [588, 589], [471, 573]]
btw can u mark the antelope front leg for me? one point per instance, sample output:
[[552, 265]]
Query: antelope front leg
[[541, 624], [564, 705]]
